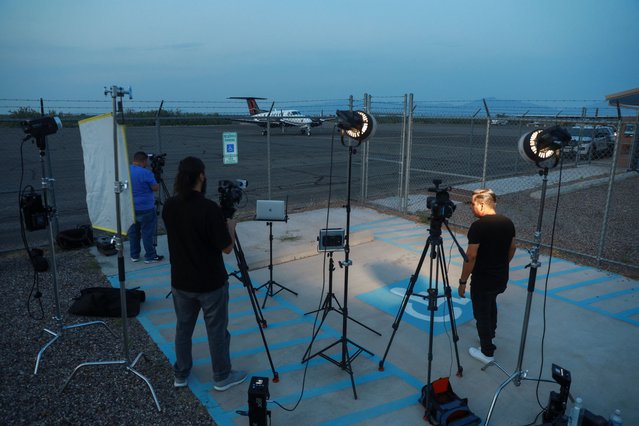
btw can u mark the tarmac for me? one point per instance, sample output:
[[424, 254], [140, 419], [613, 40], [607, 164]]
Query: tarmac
[[582, 319]]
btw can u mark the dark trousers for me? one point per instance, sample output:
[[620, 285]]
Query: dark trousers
[[485, 313], [215, 309]]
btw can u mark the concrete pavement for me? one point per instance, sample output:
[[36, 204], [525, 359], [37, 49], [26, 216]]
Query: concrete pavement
[[582, 319]]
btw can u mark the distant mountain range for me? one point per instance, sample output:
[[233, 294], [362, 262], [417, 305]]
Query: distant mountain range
[[517, 108]]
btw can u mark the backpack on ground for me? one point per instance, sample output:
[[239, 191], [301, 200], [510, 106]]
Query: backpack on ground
[[444, 407], [105, 302], [81, 236]]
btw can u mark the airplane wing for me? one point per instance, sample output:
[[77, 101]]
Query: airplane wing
[[260, 121]]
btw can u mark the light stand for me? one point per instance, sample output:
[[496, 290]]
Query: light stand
[[119, 187], [541, 147], [271, 211], [358, 126], [327, 306], [46, 181], [271, 282]]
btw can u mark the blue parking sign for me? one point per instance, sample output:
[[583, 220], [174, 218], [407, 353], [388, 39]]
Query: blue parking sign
[[229, 147]]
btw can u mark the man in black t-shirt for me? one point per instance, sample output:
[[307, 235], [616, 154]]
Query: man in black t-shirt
[[198, 234], [491, 246]]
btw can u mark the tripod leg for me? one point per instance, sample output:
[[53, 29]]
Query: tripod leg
[[315, 334], [259, 318], [451, 311], [407, 295]]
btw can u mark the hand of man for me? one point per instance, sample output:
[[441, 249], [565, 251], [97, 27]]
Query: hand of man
[[461, 290]]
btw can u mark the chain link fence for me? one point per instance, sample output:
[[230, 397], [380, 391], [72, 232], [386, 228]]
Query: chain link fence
[[473, 149], [466, 145]]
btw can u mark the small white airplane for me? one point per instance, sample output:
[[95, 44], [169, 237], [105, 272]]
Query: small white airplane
[[278, 117]]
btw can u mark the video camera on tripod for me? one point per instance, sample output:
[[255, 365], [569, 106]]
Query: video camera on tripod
[[440, 205], [157, 164], [230, 195]]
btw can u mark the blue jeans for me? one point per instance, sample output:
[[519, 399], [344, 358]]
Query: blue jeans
[[215, 307], [143, 228]]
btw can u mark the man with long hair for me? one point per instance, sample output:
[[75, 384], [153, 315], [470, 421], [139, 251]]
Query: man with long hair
[[198, 234], [491, 247]]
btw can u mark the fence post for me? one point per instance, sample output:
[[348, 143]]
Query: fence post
[[402, 152], [157, 127], [485, 166], [611, 181], [268, 149], [409, 147]]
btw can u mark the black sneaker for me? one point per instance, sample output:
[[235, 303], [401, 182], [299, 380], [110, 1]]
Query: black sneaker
[[156, 259]]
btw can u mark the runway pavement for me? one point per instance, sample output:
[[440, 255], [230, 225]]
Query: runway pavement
[[300, 167], [581, 319]]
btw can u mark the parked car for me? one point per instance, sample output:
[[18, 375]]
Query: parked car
[[629, 131], [590, 142]]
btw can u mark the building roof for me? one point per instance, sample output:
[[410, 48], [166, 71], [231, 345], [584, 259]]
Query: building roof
[[628, 98]]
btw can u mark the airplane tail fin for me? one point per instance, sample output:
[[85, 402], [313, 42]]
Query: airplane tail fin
[[251, 102]]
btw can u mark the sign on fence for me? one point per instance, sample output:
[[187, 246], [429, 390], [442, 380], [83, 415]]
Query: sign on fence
[[229, 147]]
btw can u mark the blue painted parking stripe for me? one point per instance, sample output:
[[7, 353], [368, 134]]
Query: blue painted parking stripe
[[609, 296], [371, 413], [628, 313], [375, 224], [409, 230], [580, 284], [590, 307]]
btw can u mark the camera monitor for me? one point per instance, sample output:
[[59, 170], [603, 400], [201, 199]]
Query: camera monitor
[[270, 210], [331, 239]]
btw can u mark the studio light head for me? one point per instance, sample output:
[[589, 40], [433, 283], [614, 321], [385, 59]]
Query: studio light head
[[543, 146], [40, 127], [357, 125]]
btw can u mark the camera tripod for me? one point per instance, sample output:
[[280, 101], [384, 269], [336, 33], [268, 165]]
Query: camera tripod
[[437, 256], [270, 283], [163, 195], [243, 275]]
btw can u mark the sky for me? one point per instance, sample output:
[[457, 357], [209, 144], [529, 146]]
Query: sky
[[205, 50]]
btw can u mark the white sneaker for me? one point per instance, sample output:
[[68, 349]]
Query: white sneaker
[[180, 382], [479, 356]]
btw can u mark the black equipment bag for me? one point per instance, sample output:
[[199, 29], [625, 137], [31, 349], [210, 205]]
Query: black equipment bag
[[105, 302], [444, 407], [81, 236], [106, 246]]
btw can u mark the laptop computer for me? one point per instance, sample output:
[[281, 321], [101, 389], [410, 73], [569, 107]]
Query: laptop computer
[[270, 210]]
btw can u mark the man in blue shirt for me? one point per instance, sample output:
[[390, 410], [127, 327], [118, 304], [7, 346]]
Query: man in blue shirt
[[143, 185]]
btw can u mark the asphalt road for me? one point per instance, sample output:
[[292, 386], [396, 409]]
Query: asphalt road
[[302, 167]]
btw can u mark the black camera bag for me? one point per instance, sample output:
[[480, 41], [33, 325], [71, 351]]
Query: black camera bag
[[105, 302], [81, 236], [444, 407]]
